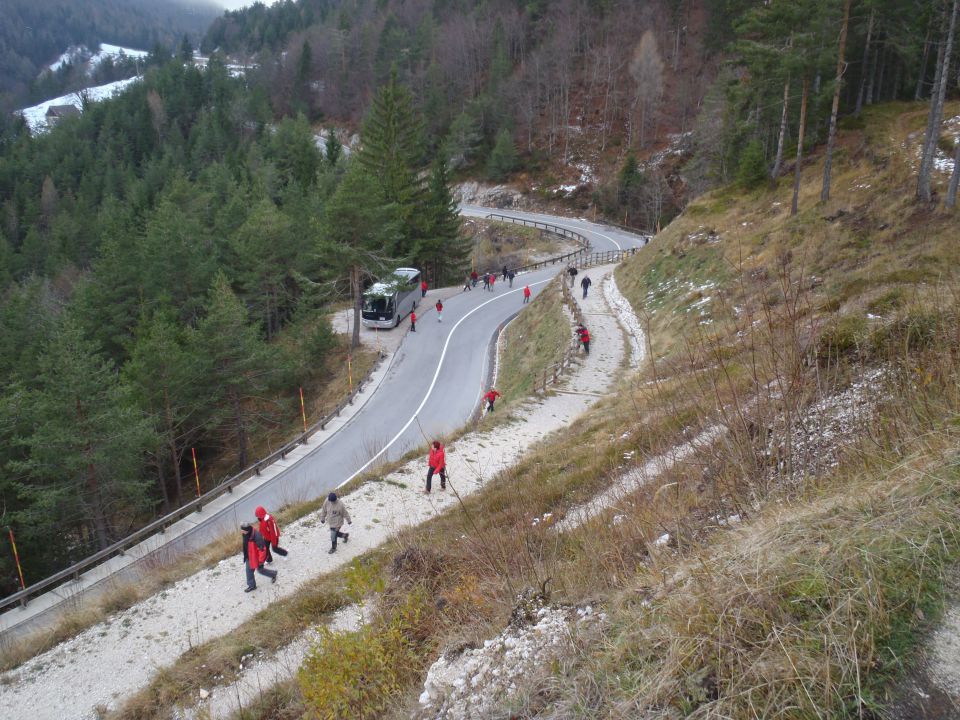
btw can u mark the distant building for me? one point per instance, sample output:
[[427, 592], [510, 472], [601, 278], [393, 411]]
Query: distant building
[[55, 113]]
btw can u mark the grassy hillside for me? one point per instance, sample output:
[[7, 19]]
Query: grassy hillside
[[807, 370]]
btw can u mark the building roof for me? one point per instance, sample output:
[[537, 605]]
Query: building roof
[[62, 110]]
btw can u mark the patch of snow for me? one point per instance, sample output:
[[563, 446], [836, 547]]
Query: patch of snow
[[73, 54], [113, 51], [35, 115]]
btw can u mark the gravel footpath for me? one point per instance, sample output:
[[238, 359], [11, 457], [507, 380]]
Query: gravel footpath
[[102, 666]]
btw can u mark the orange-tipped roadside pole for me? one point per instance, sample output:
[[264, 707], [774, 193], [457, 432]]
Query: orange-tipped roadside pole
[[350, 372], [303, 411], [196, 472], [16, 556]]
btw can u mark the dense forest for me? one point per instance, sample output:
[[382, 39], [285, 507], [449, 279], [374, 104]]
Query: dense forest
[[167, 258], [35, 32], [166, 262]]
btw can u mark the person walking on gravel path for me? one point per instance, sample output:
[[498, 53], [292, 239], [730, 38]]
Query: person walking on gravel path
[[436, 463], [337, 512], [585, 284], [254, 555], [572, 272], [413, 321], [270, 531], [585, 339], [439, 307], [423, 289], [491, 398], [526, 294]]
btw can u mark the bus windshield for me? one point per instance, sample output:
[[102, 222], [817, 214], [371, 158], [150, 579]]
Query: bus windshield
[[378, 304]]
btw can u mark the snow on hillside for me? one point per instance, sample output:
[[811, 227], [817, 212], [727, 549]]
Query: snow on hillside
[[82, 54], [35, 115], [114, 51]]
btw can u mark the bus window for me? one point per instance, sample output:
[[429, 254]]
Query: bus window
[[378, 304]]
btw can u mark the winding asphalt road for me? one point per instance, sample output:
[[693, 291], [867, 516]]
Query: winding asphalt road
[[431, 388]]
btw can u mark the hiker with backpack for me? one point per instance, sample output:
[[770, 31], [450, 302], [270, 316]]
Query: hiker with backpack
[[270, 531], [254, 556]]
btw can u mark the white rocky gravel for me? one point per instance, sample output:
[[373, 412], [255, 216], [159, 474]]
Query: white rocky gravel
[[472, 685], [133, 645]]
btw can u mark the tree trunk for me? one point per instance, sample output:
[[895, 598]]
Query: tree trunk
[[172, 446], [832, 136], [800, 134], [863, 66], [162, 482], [918, 92], [936, 110], [885, 59], [871, 78], [951, 199], [783, 131], [357, 305]]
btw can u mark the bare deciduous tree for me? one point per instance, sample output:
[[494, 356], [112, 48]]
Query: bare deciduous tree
[[646, 69]]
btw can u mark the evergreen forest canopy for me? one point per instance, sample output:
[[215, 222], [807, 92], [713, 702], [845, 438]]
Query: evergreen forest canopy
[[35, 32], [166, 261], [167, 258]]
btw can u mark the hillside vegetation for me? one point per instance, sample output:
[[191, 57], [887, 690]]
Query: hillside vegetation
[[790, 563]]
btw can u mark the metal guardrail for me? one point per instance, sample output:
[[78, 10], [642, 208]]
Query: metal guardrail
[[161, 524]]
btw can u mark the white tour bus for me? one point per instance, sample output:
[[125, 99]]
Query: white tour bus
[[387, 302]]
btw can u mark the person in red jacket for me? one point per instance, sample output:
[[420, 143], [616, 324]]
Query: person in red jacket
[[270, 531], [474, 277], [526, 294], [423, 289], [437, 463], [439, 311], [491, 398], [413, 321], [585, 339], [254, 555]]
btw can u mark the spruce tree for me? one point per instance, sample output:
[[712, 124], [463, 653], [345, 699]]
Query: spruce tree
[[358, 228], [242, 371], [81, 470], [443, 248], [392, 152], [503, 157]]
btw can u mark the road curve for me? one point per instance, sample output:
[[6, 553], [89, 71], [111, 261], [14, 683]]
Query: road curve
[[431, 388]]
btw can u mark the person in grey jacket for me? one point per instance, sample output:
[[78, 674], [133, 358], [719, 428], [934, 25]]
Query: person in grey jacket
[[337, 511]]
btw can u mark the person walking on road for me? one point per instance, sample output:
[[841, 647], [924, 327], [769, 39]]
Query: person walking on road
[[439, 311], [585, 284], [423, 289], [473, 277], [413, 321], [436, 463], [467, 284], [493, 279], [510, 276], [491, 398], [268, 528], [254, 556], [337, 512], [486, 281], [504, 272], [585, 339], [526, 294]]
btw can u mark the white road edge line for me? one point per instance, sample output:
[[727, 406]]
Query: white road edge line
[[433, 382]]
